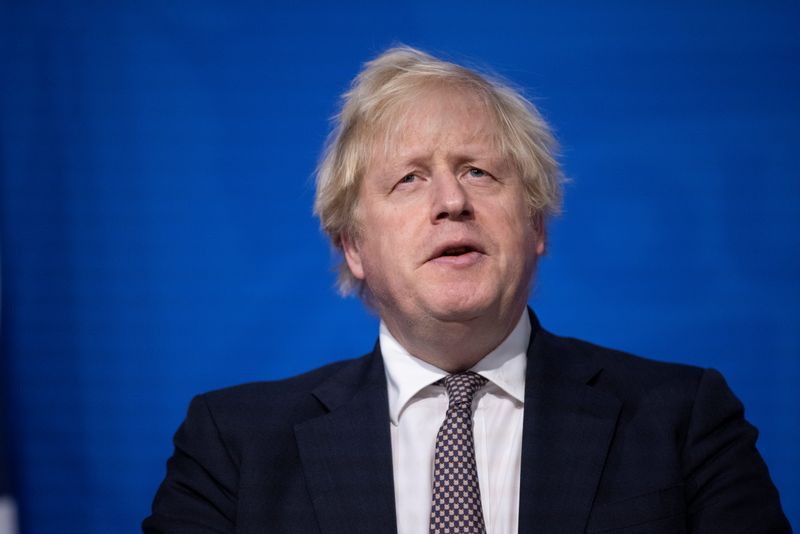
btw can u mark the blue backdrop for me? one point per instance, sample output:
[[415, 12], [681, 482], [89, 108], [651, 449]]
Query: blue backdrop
[[157, 159]]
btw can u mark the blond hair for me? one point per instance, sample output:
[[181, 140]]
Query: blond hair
[[396, 76]]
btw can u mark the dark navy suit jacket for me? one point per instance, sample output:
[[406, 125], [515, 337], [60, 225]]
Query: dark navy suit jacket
[[612, 443]]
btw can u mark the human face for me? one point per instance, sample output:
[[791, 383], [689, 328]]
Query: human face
[[446, 233]]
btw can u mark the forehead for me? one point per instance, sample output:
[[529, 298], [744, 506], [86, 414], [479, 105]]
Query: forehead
[[433, 118]]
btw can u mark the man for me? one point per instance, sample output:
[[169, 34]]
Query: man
[[467, 416]]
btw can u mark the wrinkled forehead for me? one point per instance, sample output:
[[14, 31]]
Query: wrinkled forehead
[[434, 115]]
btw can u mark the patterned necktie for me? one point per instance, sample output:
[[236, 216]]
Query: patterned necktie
[[456, 503]]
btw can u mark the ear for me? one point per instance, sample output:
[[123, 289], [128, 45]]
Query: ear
[[352, 256], [541, 234]]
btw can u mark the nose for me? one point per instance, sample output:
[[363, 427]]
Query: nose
[[450, 199]]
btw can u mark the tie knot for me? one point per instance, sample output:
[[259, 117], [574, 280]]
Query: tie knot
[[461, 387]]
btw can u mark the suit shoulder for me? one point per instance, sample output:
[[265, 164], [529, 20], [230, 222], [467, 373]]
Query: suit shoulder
[[622, 371], [274, 395]]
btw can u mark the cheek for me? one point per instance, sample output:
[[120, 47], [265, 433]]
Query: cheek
[[384, 254], [524, 245], [396, 236]]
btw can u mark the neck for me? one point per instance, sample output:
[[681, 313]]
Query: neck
[[454, 346]]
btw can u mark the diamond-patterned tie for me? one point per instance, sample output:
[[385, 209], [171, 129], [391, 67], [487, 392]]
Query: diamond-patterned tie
[[456, 503]]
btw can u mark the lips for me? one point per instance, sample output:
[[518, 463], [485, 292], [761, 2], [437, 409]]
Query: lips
[[455, 249]]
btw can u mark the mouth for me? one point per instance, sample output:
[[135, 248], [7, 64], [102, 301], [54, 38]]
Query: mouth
[[457, 251], [460, 252]]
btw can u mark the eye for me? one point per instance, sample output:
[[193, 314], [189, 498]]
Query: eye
[[407, 183], [476, 173]]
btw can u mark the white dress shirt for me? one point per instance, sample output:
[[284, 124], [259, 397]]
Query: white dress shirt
[[417, 409]]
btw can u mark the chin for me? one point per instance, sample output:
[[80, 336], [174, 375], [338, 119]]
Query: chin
[[460, 306]]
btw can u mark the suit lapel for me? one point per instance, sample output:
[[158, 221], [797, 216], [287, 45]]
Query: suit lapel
[[346, 453], [567, 430]]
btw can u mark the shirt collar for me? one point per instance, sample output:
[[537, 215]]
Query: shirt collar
[[407, 375]]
